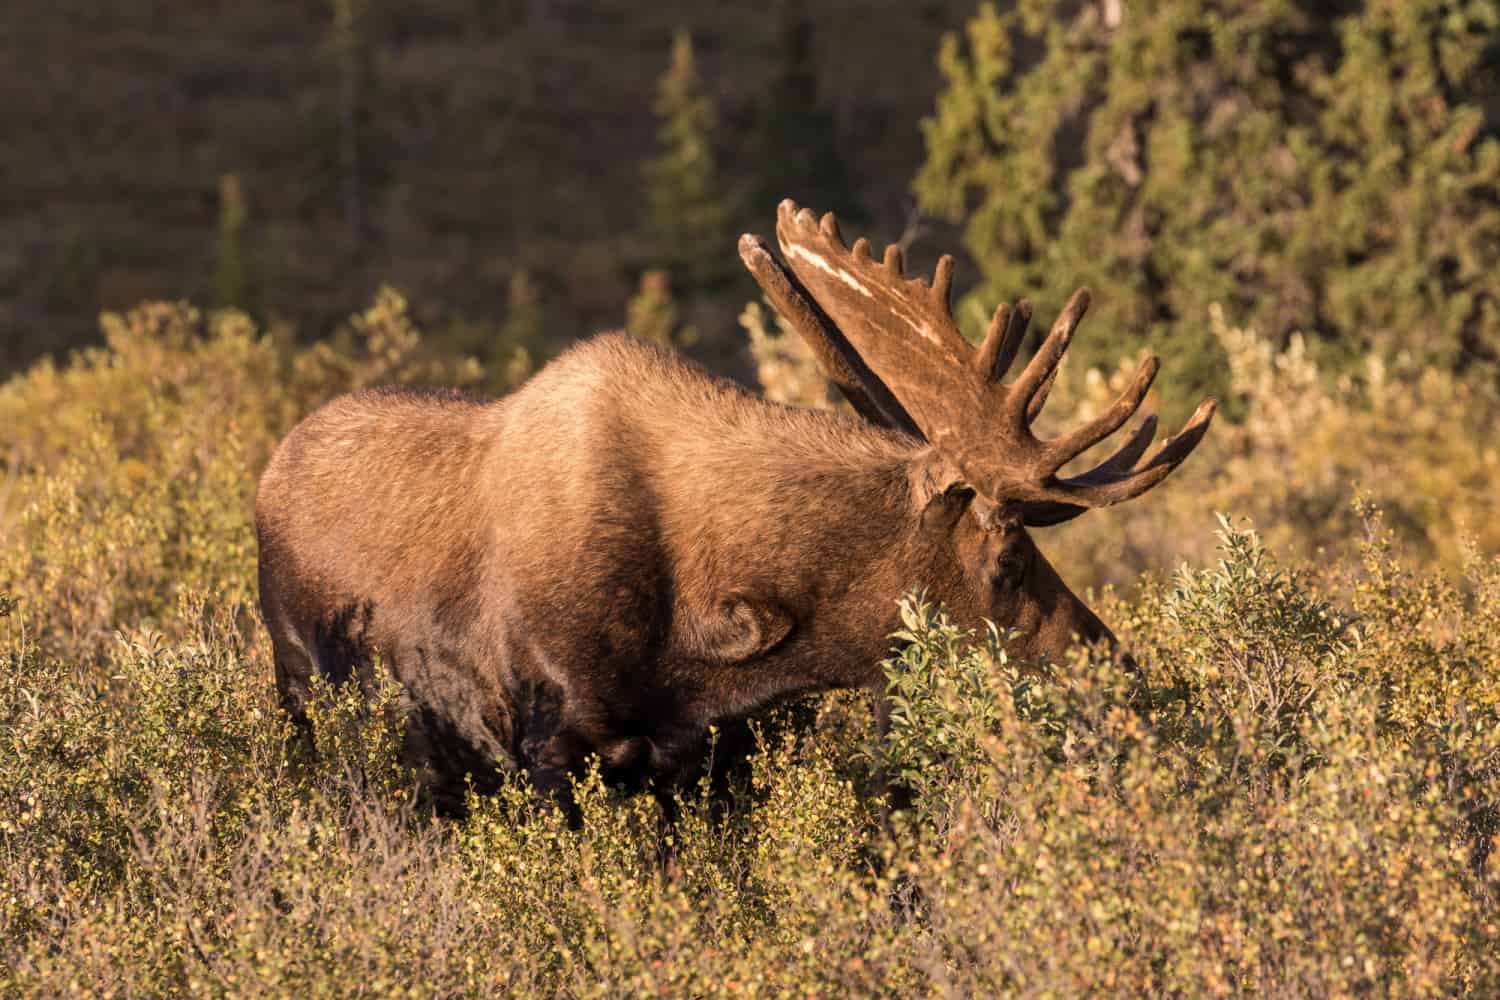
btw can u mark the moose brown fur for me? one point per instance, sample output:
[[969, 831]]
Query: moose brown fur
[[629, 549]]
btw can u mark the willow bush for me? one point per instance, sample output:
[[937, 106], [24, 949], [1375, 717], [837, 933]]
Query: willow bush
[[1294, 795], [152, 442], [1407, 436]]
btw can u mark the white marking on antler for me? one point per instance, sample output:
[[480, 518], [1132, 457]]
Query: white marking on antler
[[922, 327], [821, 263]]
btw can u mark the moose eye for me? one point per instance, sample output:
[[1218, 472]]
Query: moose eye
[[1010, 569]]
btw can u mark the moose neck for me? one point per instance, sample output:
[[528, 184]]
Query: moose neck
[[819, 523]]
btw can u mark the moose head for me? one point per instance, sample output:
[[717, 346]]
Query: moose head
[[980, 477]]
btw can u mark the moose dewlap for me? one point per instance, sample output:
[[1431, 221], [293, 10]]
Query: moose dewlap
[[628, 549]]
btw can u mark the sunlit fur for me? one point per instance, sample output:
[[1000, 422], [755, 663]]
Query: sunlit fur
[[622, 552]]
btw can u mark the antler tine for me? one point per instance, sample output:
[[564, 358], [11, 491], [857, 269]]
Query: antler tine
[[942, 281], [895, 260], [1034, 408], [1108, 484], [1002, 341], [1074, 443], [1049, 355], [992, 350], [1181, 444], [830, 227], [1122, 461]]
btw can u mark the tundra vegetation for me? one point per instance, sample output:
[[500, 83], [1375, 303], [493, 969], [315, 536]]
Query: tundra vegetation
[[1293, 796]]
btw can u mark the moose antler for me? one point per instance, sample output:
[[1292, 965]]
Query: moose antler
[[902, 331], [839, 362]]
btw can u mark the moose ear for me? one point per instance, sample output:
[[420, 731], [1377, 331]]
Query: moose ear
[[939, 494], [942, 510]]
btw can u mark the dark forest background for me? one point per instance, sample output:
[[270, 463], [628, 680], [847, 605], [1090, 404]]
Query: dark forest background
[[527, 172], [289, 156]]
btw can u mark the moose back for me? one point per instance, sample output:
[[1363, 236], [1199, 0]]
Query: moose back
[[628, 549]]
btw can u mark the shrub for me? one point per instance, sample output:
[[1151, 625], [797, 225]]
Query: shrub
[[1295, 794], [151, 443], [1303, 445], [784, 363], [1192, 830]]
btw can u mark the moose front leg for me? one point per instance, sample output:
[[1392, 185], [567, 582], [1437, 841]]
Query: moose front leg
[[559, 739]]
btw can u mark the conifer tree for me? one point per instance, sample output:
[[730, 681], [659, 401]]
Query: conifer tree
[[522, 339], [357, 157], [77, 271], [1333, 174], [688, 211], [653, 314], [795, 143], [525, 325], [232, 278]]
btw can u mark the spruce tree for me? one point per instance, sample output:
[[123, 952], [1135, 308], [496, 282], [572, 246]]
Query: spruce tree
[[1331, 174], [653, 314], [347, 42], [688, 212], [525, 325], [795, 148], [356, 147], [232, 266]]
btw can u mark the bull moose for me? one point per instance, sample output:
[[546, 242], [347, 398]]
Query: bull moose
[[628, 549]]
